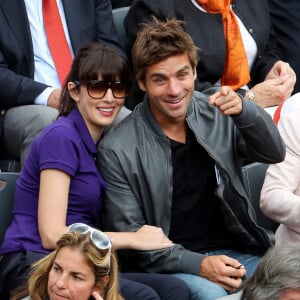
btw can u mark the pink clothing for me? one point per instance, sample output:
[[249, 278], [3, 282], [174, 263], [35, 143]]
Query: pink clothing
[[280, 195]]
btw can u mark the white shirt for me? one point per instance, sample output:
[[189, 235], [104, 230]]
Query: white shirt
[[44, 67]]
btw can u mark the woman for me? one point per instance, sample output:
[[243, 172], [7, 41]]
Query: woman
[[280, 195], [60, 184], [77, 269]]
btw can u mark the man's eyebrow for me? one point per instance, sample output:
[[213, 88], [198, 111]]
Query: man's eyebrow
[[157, 75], [184, 68]]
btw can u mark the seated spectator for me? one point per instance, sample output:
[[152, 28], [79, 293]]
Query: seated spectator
[[277, 277], [82, 266], [285, 19], [60, 183], [175, 162], [291, 104], [252, 66], [280, 195], [31, 75]]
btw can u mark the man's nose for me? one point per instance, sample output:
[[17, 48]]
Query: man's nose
[[173, 87]]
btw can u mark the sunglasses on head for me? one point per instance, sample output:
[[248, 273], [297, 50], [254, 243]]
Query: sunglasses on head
[[97, 89], [98, 238]]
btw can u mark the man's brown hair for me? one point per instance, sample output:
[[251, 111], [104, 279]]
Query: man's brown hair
[[158, 40]]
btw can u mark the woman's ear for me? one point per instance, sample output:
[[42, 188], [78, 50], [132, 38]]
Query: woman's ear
[[73, 91], [106, 280], [102, 285]]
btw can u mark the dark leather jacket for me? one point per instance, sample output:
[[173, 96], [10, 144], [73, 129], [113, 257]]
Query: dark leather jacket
[[135, 160]]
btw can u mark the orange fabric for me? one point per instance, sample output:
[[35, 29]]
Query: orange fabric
[[236, 71], [57, 42], [277, 114]]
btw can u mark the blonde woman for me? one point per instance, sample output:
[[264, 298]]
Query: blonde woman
[[82, 266]]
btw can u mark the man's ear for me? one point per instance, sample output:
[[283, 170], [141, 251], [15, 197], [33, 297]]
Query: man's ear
[[142, 85], [73, 91], [195, 73]]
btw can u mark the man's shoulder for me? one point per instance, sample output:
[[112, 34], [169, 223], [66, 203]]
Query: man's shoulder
[[125, 131], [200, 100]]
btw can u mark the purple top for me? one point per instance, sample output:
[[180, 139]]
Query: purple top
[[64, 145]]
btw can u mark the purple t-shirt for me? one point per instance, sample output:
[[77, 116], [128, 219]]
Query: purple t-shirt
[[65, 145]]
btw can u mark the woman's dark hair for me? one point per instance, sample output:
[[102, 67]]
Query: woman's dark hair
[[91, 60]]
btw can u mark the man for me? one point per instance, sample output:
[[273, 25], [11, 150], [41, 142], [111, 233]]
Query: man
[[277, 277], [175, 162], [28, 75], [237, 45]]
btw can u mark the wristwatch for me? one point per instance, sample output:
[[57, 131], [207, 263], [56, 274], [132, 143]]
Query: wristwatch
[[251, 96]]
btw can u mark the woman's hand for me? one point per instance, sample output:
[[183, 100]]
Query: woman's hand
[[96, 295], [145, 238], [151, 238]]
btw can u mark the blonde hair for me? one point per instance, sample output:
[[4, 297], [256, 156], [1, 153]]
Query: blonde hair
[[96, 258]]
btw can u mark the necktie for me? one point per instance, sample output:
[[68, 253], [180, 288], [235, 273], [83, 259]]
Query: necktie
[[236, 71], [57, 42]]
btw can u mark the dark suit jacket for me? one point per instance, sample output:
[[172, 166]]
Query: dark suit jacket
[[120, 3], [208, 34], [285, 16], [87, 20]]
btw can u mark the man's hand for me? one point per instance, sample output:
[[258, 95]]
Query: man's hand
[[277, 86], [227, 101], [54, 98], [223, 270]]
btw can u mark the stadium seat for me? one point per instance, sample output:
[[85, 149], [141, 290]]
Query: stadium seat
[[119, 15], [254, 175], [7, 191], [9, 165]]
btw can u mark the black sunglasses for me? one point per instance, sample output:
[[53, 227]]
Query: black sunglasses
[[97, 89]]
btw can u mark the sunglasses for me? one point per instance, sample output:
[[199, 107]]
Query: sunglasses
[[97, 89], [98, 238]]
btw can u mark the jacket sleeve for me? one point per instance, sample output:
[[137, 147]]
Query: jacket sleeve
[[15, 89], [141, 12], [257, 135], [265, 60], [123, 211], [269, 53], [280, 196], [106, 29]]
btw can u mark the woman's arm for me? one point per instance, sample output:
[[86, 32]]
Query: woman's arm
[[52, 211], [146, 238], [52, 207], [280, 195]]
